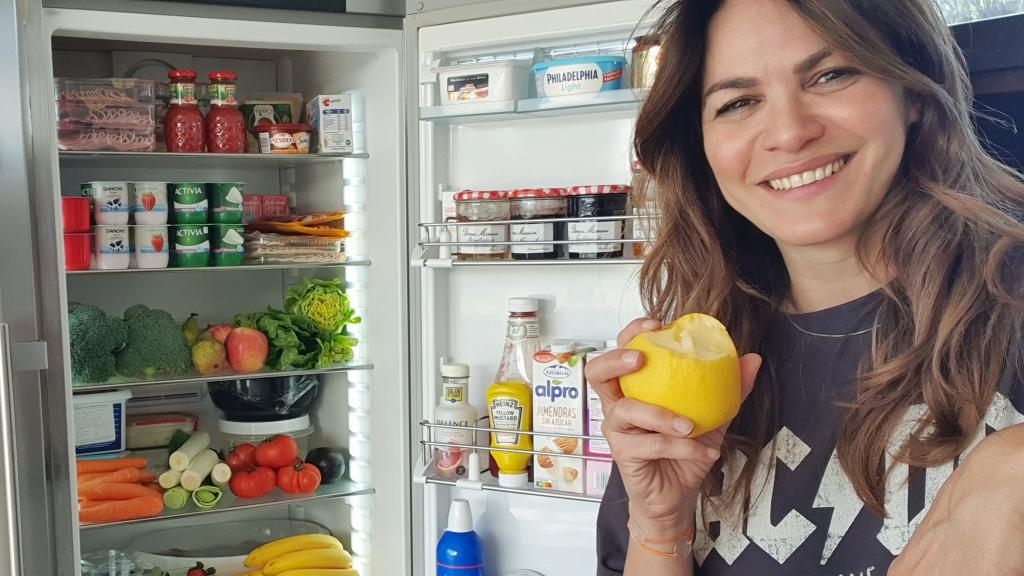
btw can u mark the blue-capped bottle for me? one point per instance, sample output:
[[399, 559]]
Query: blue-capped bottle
[[460, 552]]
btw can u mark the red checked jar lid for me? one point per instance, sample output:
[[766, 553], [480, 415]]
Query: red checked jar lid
[[537, 193], [598, 189], [182, 75], [473, 195], [223, 76]]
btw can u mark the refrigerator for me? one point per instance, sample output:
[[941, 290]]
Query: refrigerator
[[420, 305]]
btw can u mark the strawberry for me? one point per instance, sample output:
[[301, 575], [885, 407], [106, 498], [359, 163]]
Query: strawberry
[[148, 201], [198, 570], [157, 241]]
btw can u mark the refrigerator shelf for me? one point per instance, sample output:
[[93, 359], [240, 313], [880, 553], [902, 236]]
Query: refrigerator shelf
[[428, 428], [192, 378], [489, 483], [197, 159], [609, 101], [340, 489], [243, 268]]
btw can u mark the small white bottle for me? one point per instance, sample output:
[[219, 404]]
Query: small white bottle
[[454, 409]]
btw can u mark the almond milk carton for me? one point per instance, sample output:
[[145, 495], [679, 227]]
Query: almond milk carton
[[559, 406], [598, 471]]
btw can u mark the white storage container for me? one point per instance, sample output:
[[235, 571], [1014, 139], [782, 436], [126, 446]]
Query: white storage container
[[99, 422], [236, 433], [492, 82]]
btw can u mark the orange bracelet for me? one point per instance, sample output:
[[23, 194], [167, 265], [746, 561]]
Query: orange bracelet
[[686, 537]]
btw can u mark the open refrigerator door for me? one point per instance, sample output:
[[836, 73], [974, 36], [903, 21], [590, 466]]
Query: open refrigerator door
[[524, 188], [271, 282]]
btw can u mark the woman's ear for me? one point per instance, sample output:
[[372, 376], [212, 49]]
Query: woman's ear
[[913, 111]]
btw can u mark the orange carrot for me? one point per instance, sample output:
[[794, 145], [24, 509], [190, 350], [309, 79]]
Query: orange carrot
[[114, 491], [87, 466], [120, 510], [122, 475]]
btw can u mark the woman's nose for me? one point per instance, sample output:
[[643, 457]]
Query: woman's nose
[[791, 126]]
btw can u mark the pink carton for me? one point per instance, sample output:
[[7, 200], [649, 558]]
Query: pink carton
[[559, 407], [597, 471]]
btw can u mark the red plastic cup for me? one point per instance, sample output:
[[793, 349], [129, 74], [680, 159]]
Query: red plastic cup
[[76, 211], [77, 251]]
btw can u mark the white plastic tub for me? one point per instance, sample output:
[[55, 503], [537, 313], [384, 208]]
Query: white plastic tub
[[493, 82], [99, 422], [235, 433]]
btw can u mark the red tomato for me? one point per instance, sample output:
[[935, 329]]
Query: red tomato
[[278, 452], [299, 478], [241, 457], [253, 482]]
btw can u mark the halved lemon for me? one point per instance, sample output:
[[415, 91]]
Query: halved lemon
[[692, 369]]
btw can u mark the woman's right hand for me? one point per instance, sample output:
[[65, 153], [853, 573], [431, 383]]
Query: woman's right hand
[[662, 468]]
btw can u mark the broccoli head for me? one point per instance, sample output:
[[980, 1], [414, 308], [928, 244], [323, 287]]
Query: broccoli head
[[155, 345], [94, 338]]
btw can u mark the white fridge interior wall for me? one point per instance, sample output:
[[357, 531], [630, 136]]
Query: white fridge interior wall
[[314, 59], [467, 306]]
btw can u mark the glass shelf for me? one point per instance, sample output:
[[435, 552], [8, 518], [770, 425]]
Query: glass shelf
[[229, 503], [209, 269], [77, 158], [193, 377], [609, 101]]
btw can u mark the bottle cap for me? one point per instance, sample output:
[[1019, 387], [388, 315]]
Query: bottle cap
[[455, 370], [522, 304], [563, 346], [460, 516], [513, 480]]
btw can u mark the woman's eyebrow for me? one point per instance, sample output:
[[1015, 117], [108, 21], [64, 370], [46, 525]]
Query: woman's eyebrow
[[743, 82]]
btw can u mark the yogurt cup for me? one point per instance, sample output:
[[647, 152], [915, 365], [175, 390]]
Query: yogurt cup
[[189, 202], [228, 244], [149, 202], [226, 201], [113, 247], [76, 212], [152, 246], [191, 245], [110, 201], [77, 251]]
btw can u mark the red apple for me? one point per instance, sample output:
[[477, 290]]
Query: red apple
[[247, 349], [220, 332]]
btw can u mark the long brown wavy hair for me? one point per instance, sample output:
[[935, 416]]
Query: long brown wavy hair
[[949, 231]]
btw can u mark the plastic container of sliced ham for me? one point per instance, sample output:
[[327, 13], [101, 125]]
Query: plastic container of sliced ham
[[108, 90], [75, 136], [105, 115]]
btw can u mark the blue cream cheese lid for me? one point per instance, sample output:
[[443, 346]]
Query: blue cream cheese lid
[[614, 60]]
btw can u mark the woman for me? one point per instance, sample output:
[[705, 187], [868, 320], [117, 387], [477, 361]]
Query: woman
[[825, 197]]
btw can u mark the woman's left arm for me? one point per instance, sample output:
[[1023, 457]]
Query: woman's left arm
[[976, 523]]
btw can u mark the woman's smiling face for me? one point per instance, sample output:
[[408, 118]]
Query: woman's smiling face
[[802, 141]]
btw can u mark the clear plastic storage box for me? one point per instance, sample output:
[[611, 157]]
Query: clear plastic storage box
[[109, 90]]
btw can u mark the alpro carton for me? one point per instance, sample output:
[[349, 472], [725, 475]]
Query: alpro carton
[[330, 116], [559, 406]]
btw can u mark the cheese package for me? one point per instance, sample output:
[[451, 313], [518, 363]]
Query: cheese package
[[330, 116]]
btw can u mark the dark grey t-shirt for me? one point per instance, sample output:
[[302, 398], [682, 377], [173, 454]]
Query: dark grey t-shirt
[[808, 519]]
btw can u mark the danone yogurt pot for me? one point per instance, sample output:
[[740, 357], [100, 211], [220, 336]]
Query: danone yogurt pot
[[113, 246], [226, 201], [191, 245], [189, 202], [228, 244], [149, 202], [110, 201], [585, 75], [152, 246]]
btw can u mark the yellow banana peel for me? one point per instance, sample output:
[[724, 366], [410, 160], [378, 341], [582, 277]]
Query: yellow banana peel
[[264, 554]]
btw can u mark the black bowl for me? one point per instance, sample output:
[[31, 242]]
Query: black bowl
[[265, 399]]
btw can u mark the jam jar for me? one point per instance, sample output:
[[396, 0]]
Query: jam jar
[[480, 208], [184, 128], [646, 211], [532, 204], [225, 126], [601, 200]]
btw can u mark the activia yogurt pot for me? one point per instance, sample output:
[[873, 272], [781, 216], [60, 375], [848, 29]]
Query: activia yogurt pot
[[149, 202], [189, 202], [191, 245], [113, 247], [152, 246], [226, 199], [228, 244], [110, 201]]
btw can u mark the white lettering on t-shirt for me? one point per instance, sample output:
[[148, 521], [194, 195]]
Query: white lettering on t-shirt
[[835, 491]]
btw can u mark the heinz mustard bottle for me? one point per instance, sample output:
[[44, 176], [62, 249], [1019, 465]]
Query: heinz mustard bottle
[[509, 398]]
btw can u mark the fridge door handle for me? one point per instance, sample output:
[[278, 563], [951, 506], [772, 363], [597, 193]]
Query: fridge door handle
[[10, 548]]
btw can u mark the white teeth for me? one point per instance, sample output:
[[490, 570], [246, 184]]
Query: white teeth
[[808, 177]]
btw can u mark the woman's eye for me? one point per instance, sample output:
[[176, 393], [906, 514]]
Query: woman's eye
[[834, 75], [734, 105]]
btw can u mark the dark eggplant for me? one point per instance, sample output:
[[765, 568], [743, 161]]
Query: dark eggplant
[[330, 462]]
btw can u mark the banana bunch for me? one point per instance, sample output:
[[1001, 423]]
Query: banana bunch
[[306, 555]]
